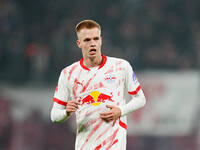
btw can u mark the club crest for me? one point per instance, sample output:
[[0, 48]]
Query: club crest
[[110, 78]]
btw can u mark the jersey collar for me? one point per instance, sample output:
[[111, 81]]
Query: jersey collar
[[101, 65]]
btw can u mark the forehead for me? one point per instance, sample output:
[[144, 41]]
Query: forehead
[[89, 33]]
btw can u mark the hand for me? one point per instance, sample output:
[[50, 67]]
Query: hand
[[71, 107], [113, 114]]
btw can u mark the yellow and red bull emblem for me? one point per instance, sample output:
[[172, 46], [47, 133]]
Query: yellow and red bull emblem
[[96, 98]]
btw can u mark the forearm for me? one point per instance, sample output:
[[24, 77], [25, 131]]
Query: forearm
[[137, 101], [58, 113]]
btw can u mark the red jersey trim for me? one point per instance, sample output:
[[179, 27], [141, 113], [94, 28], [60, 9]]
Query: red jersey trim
[[101, 65], [83, 66], [122, 124], [103, 62], [136, 91], [59, 101]]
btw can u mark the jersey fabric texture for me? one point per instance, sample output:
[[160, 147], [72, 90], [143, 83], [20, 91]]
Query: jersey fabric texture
[[95, 88]]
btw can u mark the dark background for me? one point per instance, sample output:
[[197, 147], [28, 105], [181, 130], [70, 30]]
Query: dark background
[[37, 40]]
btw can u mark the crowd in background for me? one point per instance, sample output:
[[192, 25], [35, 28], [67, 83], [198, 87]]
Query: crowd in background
[[37, 38]]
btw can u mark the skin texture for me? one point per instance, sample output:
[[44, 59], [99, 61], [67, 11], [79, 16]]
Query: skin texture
[[113, 114], [90, 41]]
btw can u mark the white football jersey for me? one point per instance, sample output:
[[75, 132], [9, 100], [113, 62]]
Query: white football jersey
[[95, 88]]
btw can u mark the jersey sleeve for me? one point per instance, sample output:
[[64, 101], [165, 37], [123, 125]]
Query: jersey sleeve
[[137, 99], [131, 82], [61, 94]]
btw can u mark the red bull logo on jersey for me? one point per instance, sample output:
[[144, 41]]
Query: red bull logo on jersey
[[95, 98]]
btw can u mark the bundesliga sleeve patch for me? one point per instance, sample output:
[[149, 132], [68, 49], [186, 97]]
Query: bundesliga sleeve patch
[[134, 78]]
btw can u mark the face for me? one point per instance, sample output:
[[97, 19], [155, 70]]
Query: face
[[89, 40]]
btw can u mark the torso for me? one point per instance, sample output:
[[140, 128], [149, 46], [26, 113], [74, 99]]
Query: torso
[[96, 88]]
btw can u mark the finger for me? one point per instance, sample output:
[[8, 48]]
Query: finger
[[106, 116], [72, 107], [107, 119], [70, 110], [77, 102], [105, 113], [110, 119], [73, 101], [72, 104], [110, 106]]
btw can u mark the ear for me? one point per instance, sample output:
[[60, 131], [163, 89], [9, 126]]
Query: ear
[[78, 43]]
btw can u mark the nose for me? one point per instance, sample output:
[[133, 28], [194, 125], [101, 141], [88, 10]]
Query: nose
[[93, 43]]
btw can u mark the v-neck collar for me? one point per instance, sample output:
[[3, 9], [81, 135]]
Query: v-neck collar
[[101, 65]]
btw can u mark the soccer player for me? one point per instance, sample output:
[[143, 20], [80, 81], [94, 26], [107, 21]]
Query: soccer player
[[94, 88]]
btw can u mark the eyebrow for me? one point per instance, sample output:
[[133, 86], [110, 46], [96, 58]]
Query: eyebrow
[[96, 38], [88, 39]]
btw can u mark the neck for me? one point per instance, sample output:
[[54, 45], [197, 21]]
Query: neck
[[92, 62]]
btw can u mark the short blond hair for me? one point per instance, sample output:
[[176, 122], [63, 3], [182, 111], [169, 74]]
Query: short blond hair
[[88, 24]]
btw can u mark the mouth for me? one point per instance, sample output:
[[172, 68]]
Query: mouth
[[92, 51]]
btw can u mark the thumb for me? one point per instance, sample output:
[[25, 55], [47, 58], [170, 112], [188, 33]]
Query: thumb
[[110, 106]]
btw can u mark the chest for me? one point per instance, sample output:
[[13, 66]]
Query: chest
[[107, 79]]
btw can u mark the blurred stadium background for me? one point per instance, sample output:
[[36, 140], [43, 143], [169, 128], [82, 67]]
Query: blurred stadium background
[[161, 39]]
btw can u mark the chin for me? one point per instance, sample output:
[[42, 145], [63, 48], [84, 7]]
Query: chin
[[92, 56]]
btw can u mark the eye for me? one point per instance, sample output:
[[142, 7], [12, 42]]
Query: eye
[[96, 38], [86, 40]]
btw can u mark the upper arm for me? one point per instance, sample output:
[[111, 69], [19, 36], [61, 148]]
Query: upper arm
[[131, 82], [61, 94]]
